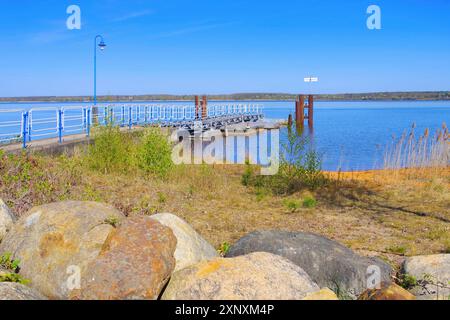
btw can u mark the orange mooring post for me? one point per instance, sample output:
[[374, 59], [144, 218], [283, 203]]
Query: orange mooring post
[[300, 111], [197, 107], [311, 111], [204, 108]]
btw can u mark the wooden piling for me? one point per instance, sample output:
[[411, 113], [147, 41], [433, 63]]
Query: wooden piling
[[311, 111], [300, 111], [204, 108], [197, 108]]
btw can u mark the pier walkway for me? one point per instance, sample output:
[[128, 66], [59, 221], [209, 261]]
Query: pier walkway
[[44, 127]]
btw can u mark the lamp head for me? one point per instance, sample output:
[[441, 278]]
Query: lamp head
[[102, 45]]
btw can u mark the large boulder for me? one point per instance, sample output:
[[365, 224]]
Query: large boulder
[[135, 264], [387, 291], [323, 294], [54, 241], [7, 219], [16, 291], [327, 262], [257, 276], [432, 274], [191, 247]]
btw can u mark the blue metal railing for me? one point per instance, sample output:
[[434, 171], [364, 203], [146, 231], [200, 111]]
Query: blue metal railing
[[54, 122]]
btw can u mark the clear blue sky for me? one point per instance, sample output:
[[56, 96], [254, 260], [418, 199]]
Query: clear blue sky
[[223, 46]]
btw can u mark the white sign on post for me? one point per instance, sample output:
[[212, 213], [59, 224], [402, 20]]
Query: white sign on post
[[312, 79]]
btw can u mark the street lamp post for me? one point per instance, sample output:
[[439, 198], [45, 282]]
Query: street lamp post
[[101, 46]]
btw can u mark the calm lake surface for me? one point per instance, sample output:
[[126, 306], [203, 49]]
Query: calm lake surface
[[348, 135]]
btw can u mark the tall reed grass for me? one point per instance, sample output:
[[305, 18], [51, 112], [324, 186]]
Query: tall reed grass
[[426, 151]]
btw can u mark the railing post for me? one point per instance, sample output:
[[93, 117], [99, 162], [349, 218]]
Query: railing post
[[29, 119], [111, 115], [84, 118], [130, 120], [105, 115], [145, 114], [88, 121], [60, 124], [138, 110], [24, 129]]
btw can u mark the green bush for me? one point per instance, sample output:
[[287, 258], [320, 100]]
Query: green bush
[[122, 152], [154, 153], [292, 205], [224, 249], [7, 262], [309, 202], [248, 175], [300, 168], [110, 152], [408, 282], [13, 266]]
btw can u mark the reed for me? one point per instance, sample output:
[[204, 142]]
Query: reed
[[419, 152]]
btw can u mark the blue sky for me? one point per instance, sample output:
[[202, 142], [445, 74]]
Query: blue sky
[[223, 46]]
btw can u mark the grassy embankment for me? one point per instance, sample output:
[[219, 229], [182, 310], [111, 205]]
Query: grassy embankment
[[390, 213]]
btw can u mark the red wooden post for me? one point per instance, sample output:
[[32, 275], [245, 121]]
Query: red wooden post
[[197, 107], [297, 111], [204, 108], [311, 111], [302, 109]]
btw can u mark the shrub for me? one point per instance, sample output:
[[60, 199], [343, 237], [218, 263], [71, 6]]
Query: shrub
[[112, 221], [6, 262], [248, 175], [300, 168], [110, 151], [309, 202], [13, 277], [224, 249], [12, 265], [292, 205], [408, 282], [154, 153]]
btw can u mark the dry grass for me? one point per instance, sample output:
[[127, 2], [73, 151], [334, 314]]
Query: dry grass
[[375, 213], [422, 153]]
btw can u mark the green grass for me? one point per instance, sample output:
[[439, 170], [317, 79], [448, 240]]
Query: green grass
[[224, 249], [400, 250], [292, 205], [309, 202], [13, 268]]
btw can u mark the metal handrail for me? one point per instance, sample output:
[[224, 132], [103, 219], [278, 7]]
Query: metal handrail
[[38, 122]]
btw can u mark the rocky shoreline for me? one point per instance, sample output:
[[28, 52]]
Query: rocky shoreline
[[91, 251]]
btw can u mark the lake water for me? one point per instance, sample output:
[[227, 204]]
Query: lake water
[[348, 135]]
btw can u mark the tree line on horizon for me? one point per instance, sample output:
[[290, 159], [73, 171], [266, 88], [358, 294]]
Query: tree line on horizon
[[376, 96]]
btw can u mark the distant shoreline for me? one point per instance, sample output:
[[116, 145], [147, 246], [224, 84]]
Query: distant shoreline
[[348, 97]]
